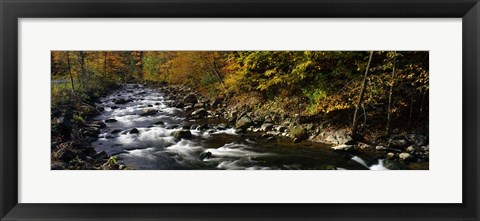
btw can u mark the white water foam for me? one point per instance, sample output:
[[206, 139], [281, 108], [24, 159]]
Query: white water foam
[[379, 166], [360, 161]]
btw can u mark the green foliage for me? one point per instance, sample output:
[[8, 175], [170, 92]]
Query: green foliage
[[298, 132], [113, 159], [78, 118], [315, 97]]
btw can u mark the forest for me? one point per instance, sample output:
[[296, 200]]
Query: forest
[[356, 101]]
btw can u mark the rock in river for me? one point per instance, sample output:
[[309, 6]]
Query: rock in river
[[134, 131], [116, 131], [185, 134], [110, 121], [122, 101], [205, 155], [149, 112]]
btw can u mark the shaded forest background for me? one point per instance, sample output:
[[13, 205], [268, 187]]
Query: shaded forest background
[[379, 91]]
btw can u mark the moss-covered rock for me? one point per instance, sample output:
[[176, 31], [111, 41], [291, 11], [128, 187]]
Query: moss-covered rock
[[243, 123], [182, 134], [298, 132]]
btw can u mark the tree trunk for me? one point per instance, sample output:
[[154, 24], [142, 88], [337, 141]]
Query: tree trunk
[[390, 94], [217, 73], [105, 65], [71, 76], [411, 106], [82, 68], [421, 106], [360, 98], [140, 67]]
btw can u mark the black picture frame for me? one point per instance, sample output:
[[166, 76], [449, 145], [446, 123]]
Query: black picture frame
[[11, 10]]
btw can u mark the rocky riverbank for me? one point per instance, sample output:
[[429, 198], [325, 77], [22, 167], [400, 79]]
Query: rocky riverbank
[[72, 131], [403, 147]]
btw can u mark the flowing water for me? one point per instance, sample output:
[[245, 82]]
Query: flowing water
[[154, 147]]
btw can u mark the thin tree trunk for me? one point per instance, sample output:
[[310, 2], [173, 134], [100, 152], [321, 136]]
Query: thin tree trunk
[[364, 114], [421, 106], [389, 112], [82, 68], [105, 65], [411, 106], [360, 98], [215, 70], [140, 67], [71, 76]]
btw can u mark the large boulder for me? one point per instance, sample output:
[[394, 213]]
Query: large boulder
[[298, 132], [243, 123], [281, 128], [65, 155], [391, 164], [215, 102], [65, 125], [87, 150], [101, 155], [340, 137], [134, 131], [91, 132], [205, 155], [266, 127], [200, 113], [190, 98], [417, 139], [405, 156], [182, 134], [116, 131], [412, 148], [398, 143]]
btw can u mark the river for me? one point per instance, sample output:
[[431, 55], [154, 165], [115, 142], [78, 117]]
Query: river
[[152, 147]]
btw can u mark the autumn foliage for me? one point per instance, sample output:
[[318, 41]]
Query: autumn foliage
[[308, 83]]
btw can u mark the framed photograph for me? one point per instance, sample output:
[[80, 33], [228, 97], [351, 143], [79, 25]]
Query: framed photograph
[[230, 110]]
